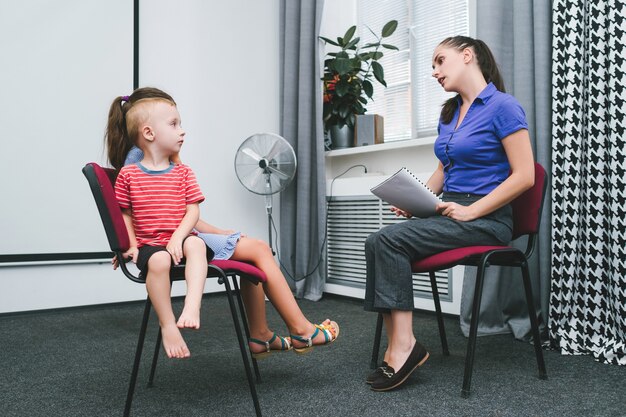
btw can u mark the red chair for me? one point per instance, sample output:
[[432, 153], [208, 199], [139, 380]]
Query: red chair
[[101, 182], [526, 217]]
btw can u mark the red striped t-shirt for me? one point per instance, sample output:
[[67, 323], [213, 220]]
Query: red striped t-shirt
[[158, 200]]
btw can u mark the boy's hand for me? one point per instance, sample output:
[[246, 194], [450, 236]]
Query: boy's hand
[[175, 249], [130, 253]]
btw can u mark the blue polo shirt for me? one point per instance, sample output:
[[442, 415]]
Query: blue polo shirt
[[472, 155]]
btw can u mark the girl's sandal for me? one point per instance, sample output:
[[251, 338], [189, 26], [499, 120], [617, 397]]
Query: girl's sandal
[[329, 331], [285, 345]]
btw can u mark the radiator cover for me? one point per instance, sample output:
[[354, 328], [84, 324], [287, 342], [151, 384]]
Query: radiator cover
[[350, 220]]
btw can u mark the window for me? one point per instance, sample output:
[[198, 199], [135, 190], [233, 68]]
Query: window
[[412, 101]]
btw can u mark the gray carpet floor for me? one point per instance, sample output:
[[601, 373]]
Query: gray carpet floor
[[76, 362]]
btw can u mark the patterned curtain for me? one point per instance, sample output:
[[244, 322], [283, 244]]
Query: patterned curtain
[[588, 300]]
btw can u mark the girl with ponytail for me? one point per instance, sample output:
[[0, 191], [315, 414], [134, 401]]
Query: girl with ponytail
[[143, 139]]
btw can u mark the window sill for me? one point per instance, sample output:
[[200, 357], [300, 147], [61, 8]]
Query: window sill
[[401, 144]]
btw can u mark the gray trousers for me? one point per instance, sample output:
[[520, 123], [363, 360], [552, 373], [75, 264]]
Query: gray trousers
[[390, 251]]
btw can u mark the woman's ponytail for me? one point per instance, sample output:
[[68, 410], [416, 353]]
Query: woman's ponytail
[[487, 64]]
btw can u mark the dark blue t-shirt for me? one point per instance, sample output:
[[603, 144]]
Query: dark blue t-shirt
[[472, 156]]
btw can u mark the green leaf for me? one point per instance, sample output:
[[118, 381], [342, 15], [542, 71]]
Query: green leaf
[[329, 41], [344, 111], [389, 28], [387, 46], [341, 88], [327, 110], [348, 36], [350, 120], [368, 88], [352, 43], [377, 55], [379, 74], [342, 66]]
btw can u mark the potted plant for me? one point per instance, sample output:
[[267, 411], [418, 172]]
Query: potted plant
[[348, 77]]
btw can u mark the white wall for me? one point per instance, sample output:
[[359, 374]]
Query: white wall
[[220, 61]]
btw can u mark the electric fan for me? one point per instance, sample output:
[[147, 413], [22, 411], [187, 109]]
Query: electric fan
[[265, 164]]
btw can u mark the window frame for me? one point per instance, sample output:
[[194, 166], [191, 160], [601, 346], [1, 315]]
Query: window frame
[[415, 133]]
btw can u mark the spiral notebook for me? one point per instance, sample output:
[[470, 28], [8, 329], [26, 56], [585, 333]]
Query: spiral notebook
[[405, 191]]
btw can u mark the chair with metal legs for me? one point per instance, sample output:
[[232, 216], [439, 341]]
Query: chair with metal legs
[[226, 271], [526, 217]]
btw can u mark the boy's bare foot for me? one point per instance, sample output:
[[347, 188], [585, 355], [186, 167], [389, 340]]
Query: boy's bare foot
[[173, 342], [189, 319]]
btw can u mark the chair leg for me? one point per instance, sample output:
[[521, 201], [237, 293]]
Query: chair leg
[[135, 371], [533, 322], [471, 344], [377, 337], [442, 329], [242, 347], [244, 319], [155, 358]]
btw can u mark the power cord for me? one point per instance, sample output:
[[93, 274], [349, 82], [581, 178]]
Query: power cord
[[321, 255]]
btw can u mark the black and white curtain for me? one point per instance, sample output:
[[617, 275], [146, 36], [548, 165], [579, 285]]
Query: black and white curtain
[[588, 294]]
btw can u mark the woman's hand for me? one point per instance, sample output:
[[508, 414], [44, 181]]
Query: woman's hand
[[400, 212], [456, 211]]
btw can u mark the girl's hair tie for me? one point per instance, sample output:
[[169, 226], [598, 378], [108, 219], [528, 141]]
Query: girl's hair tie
[[125, 98]]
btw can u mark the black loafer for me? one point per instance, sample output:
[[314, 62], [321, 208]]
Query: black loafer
[[373, 376], [389, 379]]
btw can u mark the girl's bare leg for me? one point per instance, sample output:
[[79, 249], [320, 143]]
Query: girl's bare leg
[[194, 249], [254, 299], [276, 289], [159, 290]]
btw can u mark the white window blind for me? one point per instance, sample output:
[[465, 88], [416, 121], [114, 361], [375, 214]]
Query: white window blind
[[412, 101], [393, 102]]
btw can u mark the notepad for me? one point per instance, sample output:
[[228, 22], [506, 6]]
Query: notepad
[[405, 191]]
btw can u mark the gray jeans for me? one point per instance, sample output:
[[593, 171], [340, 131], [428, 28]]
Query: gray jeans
[[390, 251]]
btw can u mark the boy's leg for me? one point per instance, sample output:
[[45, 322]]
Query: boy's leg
[[159, 290], [194, 250]]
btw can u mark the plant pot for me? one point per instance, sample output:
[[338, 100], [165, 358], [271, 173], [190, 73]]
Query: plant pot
[[341, 137]]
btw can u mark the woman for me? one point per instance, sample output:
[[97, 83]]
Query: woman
[[483, 136]]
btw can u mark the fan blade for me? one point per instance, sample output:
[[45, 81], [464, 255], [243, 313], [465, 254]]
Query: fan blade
[[251, 154], [276, 148], [280, 174], [252, 180]]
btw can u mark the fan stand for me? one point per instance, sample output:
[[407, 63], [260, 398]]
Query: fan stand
[[268, 208]]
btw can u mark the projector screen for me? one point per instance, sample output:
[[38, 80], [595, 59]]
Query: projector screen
[[63, 62]]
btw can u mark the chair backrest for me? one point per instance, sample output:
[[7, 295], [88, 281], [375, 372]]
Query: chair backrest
[[527, 206], [101, 182]]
